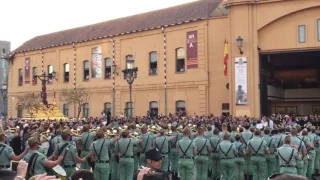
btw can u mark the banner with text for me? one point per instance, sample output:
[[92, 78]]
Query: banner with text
[[192, 50], [241, 80], [96, 62], [27, 71]]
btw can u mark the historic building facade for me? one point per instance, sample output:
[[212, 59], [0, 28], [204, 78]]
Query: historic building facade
[[179, 52]]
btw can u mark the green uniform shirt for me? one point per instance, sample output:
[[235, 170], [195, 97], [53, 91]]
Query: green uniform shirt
[[277, 140], [233, 136], [240, 147], [178, 137], [146, 143], [296, 141], [69, 153], [246, 135], [313, 138], [305, 140], [86, 140], [208, 134], [125, 144], [162, 144], [56, 140], [99, 150], [185, 147], [9, 138], [6, 154], [214, 141], [193, 136], [284, 153], [39, 167], [202, 145], [270, 143], [226, 149], [257, 146]]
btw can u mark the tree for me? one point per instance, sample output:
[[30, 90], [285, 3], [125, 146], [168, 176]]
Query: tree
[[78, 96], [29, 102]]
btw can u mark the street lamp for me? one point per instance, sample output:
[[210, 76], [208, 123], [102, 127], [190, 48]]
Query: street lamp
[[130, 74], [239, 43], [4, 93], [44, 78]]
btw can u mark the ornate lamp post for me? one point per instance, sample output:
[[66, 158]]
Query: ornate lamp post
[[130, 74], [239, 43], [4, 93], [44, 78]]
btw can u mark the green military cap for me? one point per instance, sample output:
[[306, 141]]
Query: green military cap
[[32, 141], [66, 132]]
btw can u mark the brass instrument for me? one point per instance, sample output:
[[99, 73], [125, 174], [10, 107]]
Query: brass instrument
[[75, 132], [168, 133], [111, 133], [134, 135], [45, 135], [180, 129]]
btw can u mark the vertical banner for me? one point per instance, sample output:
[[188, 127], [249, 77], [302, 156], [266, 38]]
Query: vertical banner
[[96, 61], [192, 50], [241, 80], [27, 71]]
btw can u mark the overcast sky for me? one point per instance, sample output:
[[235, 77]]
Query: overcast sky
[[22, 20]]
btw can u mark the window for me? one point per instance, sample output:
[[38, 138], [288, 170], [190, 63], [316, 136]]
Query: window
[[20, 110], [130, 61], [86, 70], [107, 68], [50, 71], [225, 106], [302, 33], [66, 110], [107, 107], [20, 77], [153, 108], [153, 63], [318, 25], [66, 68], [180, 59], [85, 111], [34, 75], [129, 110], [180, 106]]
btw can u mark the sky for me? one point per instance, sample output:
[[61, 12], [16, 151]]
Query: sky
[[22, 20]]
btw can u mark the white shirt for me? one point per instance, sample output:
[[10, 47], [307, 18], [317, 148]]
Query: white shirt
[[270, 124]]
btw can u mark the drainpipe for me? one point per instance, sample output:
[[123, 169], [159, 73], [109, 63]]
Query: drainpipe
[[165, 72], [74, 77], [113, 80]]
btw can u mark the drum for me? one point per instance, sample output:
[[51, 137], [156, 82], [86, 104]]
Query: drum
[[59, 172]]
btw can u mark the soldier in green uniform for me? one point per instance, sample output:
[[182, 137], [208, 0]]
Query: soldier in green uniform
[[224, 130], [277, 139], [124, 148], [312, 153], [162, 144], [270, 158], [202, 159], [317, 152], [215, 156], [100, 150], [86, 140], [145, 145], [301, 149], [246, 135], [187, 149], [37, 161], [69, 151], [309, 147], [6, 152], [239, 160], [173, 154], [288, 155], [133, 130], [208, 134], [233, 133], [227, 153], [57, 139], [258, 148]]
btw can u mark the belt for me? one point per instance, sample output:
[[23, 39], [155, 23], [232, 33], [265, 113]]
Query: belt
[[126, 157], [287, 165], [203, 154], [185, 157], [69, 166], [228, 158], [261, 155], [4, 166], [102, 161]]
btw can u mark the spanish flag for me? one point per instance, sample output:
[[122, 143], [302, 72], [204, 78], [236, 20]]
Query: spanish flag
[[226, 57]]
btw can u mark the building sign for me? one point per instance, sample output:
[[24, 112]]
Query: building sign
[[192, 50], [27, 71], [241, 80], [96, 61]]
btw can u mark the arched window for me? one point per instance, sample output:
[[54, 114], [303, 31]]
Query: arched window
[[107, 107], [180, 60], [130, 61], [86, 72], [180, 106], [107, 70], [318, 28], [153, 108], [50, 71], [153, 64], [34, 75], [129, 109], [66, 69], [85, 112], [20, 82]]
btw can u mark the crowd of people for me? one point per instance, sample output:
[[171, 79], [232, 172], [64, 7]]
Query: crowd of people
[[177, 146]]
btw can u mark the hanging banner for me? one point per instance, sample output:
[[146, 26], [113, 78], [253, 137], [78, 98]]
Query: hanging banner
[[27, 71], [192, 50], [96, 62], [241, 80]]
